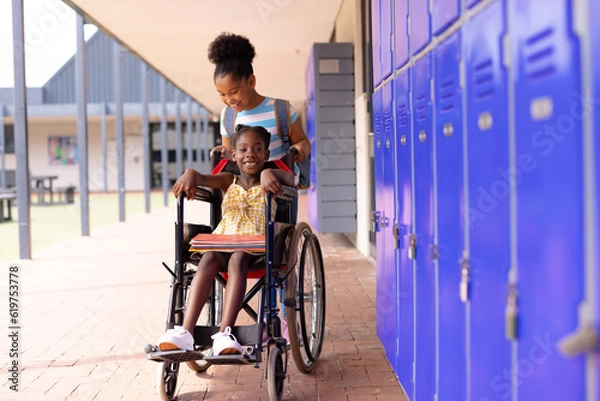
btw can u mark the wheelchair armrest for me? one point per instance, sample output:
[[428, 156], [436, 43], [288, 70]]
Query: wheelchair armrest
[[205, 194], [289, 193]]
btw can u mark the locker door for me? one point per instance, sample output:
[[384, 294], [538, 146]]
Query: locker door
[[489, 355], [376, 41], [386, 270], [450, 217], [424, 226], [387, 56], [444, 13], [403, 142], [401, 32], [420, 33], [550, 253], [595, 28]]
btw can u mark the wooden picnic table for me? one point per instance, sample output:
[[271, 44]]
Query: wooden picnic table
[[40, 184], [9, 196]]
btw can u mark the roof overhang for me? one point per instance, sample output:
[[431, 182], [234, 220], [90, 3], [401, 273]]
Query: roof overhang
[[173, 38]]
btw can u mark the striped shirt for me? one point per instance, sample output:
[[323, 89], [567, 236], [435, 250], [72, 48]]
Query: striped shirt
[[263, 115]]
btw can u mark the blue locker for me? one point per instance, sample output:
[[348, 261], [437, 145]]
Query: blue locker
[[387, 56], [487, 131], [443, 14], [594, 10], [420, 21], [376, 41], [425, 358], [386, 270], [550, 250], [401, 32], [403, 210], [450, 212]]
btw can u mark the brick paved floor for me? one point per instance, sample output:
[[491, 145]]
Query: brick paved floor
[[89, 305]]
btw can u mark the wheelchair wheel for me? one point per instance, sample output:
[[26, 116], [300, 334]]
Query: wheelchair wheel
[[166, 375], [206, 319], [275, 374], [306, 285]]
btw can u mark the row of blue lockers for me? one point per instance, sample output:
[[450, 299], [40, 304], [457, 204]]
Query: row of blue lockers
[[487, 171]]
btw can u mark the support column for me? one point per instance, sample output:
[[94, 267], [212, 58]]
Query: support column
[[147, 162], [20, 129], [178, 136], [120, 137], [190, 148], [164, 155], [205, 149], [199, 160], [104, 147], [82, 126]]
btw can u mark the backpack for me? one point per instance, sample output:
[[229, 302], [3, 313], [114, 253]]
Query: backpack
[[282, 117]]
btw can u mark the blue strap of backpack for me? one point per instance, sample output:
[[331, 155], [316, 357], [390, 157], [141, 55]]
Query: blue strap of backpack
[[281, 111], [229, 120]]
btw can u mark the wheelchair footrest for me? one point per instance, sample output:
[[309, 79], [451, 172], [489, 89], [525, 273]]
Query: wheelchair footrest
[[235, 359], [175, 356]]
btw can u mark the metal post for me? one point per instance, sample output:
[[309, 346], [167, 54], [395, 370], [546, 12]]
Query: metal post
[[82, 127], [2, 150], [164, 155], [205, 149], [199, 162], [178, 136], [104, 146], [20, 129], [146, 134], [118, 94], [190, 148]]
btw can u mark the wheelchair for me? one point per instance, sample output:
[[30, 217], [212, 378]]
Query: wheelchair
[[292, 265]]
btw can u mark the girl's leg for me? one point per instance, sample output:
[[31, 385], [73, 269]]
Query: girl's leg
[[237, 270], [210, 264]]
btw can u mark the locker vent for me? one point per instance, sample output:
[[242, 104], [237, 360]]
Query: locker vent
[[483, 79], [403, 115], [538, 52], [421, 108], [447, 91]]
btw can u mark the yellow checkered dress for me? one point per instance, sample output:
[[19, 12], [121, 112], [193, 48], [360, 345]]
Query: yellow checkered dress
[[243, 211]]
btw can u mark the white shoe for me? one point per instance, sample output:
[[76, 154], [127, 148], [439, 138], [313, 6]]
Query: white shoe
[[176, 338], [225, 343]]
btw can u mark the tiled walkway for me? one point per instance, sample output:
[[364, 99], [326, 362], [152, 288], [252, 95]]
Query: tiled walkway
[[89, 305]]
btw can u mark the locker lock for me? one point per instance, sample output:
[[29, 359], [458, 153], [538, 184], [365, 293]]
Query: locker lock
[[375, 221], [422, 136], [465, 278], [403, 140], [396, 232], [448, 130], [511, 313], [412, 247], [378, 143], [388, 143]]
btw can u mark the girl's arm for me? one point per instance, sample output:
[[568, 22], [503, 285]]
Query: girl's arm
[[224, 149], [191, 179], [271, 180], [299, 141]]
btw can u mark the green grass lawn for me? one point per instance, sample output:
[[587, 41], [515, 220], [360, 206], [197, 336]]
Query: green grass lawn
[[57, 223]]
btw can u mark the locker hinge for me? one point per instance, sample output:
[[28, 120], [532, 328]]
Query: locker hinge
[[462, 74], [396, 231], [412, 247], [465, 279], [511, 313], [434, 252]]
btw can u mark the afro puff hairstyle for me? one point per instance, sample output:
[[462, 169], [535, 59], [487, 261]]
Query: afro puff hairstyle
[[231, 54]]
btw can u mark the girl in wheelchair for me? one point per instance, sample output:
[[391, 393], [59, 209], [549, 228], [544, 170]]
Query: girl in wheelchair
[[243, 211]]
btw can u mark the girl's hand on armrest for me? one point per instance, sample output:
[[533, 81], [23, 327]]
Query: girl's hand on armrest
[[186, 183], [270, 183]]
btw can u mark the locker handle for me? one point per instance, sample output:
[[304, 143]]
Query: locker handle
[[511, 314], [582, 341], [396, 231], [375, 221]]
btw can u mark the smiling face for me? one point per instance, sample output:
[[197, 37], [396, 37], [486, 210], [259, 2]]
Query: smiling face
[[236, 93], [250, 153]]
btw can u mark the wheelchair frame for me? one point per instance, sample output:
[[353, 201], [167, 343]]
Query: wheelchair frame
[[292, 252]]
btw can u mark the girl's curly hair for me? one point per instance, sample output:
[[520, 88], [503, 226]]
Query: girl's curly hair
[[231, 54]]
